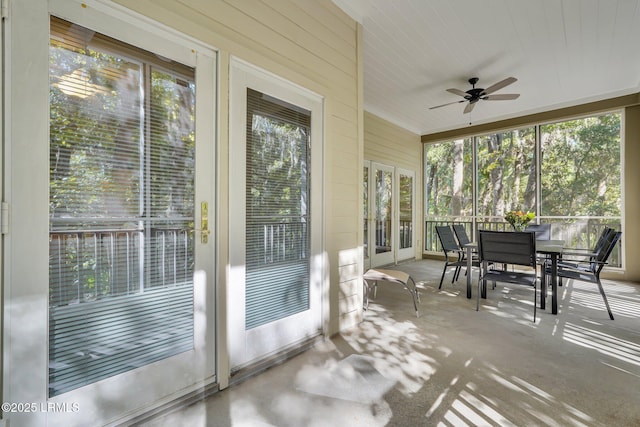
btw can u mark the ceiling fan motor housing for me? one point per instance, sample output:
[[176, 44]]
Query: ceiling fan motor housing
[[474, 93]]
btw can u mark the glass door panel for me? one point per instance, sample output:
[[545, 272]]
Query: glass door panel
[[366, 214], [383, 215], [406, 196], [277, 191]]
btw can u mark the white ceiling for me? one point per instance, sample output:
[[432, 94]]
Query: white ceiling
[[563, 53]]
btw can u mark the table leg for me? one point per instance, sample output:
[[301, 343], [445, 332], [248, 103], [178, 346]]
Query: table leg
[[469, 266], [543, 285], [554, 283]]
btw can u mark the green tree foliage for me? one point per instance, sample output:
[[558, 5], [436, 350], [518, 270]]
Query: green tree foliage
[[581, 167], [506, 172], [88, 119], [277, 161], [122, 158], [102, 158], [448, 174], [277, 182], [580, 171], [172, 148]]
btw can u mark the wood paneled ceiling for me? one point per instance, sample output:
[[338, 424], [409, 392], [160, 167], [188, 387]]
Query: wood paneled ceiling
[[563, 53]]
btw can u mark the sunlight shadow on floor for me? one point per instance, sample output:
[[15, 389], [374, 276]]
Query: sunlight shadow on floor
[[353, 378]]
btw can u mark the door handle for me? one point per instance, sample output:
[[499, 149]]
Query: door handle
[[204, 222]]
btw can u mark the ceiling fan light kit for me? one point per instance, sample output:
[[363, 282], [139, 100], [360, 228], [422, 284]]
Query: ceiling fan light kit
[[475, 94]]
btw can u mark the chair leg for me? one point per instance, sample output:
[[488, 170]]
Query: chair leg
[[414, 294], [456, 274], [604, 297], [543, 286], [415, 289], [535, 299], [444, 270]]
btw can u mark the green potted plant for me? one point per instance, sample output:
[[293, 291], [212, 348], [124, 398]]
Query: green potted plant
[[519, 219]]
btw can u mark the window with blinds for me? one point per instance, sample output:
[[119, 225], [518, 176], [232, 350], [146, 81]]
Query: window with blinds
[[121, 207], [277, 212]]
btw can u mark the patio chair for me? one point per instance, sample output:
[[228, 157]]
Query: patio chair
[[461, 234], [606, 234], [517, 248], [463, 239], [450, 247], [543, 231], [585, 253], [589, 269], [392, 276]]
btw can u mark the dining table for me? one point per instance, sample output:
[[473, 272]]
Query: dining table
[[549, 248]]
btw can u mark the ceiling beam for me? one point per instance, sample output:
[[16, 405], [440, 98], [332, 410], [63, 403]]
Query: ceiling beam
[[533, 119]]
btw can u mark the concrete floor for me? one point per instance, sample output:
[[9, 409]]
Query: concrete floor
[[453, 366]]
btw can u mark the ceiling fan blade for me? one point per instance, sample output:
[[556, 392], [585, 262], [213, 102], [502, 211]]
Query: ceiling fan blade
[[458, 92], [501, 97], [469, 107], [444, 105], [499, 85]]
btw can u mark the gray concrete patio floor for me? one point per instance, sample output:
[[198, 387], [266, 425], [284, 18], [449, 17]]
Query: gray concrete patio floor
[[453, 366]]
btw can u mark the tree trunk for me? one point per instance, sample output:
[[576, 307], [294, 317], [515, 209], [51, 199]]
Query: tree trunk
[[458, 174]]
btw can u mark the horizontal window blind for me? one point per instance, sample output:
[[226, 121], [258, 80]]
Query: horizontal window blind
[[99, 339], [122, 156], [277, 218]]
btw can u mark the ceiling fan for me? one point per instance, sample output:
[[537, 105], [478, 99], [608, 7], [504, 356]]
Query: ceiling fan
[[475, 94]]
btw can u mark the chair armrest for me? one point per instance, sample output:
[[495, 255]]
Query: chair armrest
[[582, 254], [575, 265], [589, 262], [575, 262]]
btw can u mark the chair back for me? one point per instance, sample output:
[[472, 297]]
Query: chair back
[[447, 239], [543, 231], [606, 234], [461, 234], [603, 255], [507, 247]]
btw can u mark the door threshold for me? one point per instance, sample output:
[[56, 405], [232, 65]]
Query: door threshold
[[254, 368]]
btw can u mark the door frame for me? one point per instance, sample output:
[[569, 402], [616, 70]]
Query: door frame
[[370, 258], [26, 247], [289, 332]]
